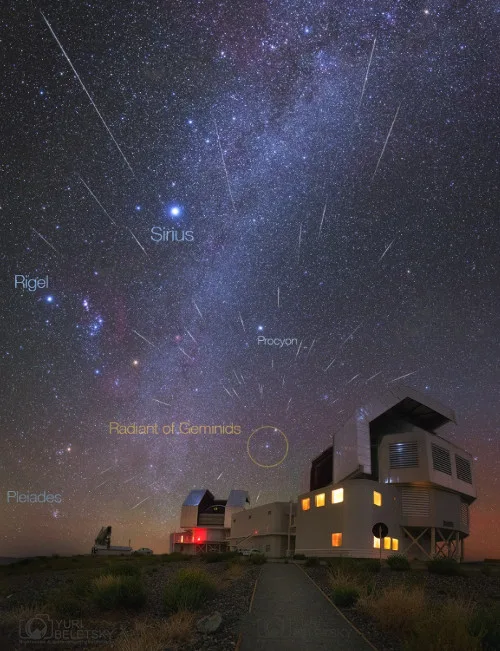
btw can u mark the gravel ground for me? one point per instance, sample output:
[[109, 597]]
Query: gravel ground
[[479, 588], [231, 601]]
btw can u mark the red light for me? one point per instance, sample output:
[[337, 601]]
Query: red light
[[200, 535]]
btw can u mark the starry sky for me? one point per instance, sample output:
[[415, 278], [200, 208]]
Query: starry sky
[[337, 167]]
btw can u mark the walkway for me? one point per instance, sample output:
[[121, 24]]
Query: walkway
[[289, 613]]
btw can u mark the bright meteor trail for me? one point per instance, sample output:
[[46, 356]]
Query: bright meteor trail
[[87, 92]]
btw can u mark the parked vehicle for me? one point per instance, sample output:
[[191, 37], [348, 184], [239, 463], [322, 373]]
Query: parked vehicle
[[144, 551], [249, 552]]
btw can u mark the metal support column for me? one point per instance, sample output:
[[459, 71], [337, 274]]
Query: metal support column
[[433, 541]]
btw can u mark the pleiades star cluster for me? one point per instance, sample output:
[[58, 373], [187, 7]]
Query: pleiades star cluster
[[186, 181]]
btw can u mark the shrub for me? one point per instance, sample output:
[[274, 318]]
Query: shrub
[[445, 567], [397, 609], [257, 559], [118, 591], [345, 597], [485, 623], [445, 628], [299, 557], [398, 562], [188, 590], [312, 562], [122, 570]]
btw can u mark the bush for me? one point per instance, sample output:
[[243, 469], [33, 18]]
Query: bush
[[485, 623], [299, 557], [445, 567], [345, 597], [188, 590], [118, 591], [257, 559], [312, 562], [398, 562], [397, 609], [122, 570], [445, 628]]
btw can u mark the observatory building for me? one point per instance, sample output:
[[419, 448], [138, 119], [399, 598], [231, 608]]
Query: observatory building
[[389, 465], [206, 521]]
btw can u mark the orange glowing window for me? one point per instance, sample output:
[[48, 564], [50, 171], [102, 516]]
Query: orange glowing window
[[306, 503], [376, 543], [387, 543], [336, 540], [337, 495], [395, 544], [182, 538], [320, 499], [377, 498]]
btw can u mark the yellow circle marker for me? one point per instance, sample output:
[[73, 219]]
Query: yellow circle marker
[[273, 465]]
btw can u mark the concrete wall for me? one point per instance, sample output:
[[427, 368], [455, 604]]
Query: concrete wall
[[267, 525], [354, 518]]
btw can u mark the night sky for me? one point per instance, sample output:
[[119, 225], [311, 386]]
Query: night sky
[[324, 172]]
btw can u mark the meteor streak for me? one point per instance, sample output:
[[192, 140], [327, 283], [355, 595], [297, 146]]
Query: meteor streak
[[104, 482], [219, 476], [224, 166], [138, 242], [367, 72], [353, 378], [46, 242], [300, 240], [386, 141], [241, 319], [288, 406], [298, 351], [228, 393], [183, 351], [161, 402], [322, 219], [387, 249], [349, 337], [138, 503], [326, 369], [97, 201], [87, 92], [142, 337], [371, 378], [198, 309], [191, 336], [401, 377]]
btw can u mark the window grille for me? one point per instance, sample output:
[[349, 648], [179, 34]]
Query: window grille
[[463, 468]]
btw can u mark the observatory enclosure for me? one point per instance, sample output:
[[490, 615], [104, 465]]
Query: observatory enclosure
[[388, 464]]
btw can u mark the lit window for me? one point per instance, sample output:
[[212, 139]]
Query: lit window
[[320, 499], [376, 543], [336, 540], [182, 539], [337, 495], [377, 498], [395, 544], [387, 543], [306, 503]]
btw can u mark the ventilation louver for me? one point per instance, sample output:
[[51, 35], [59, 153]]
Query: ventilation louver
[[415, 502], [441, 459], [463, 469], [403, 455]]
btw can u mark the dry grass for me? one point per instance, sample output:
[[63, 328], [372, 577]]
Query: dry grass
[[397, 609], [154, 635], [234, 571], [341, 578], [12, 618], [446, 628]]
